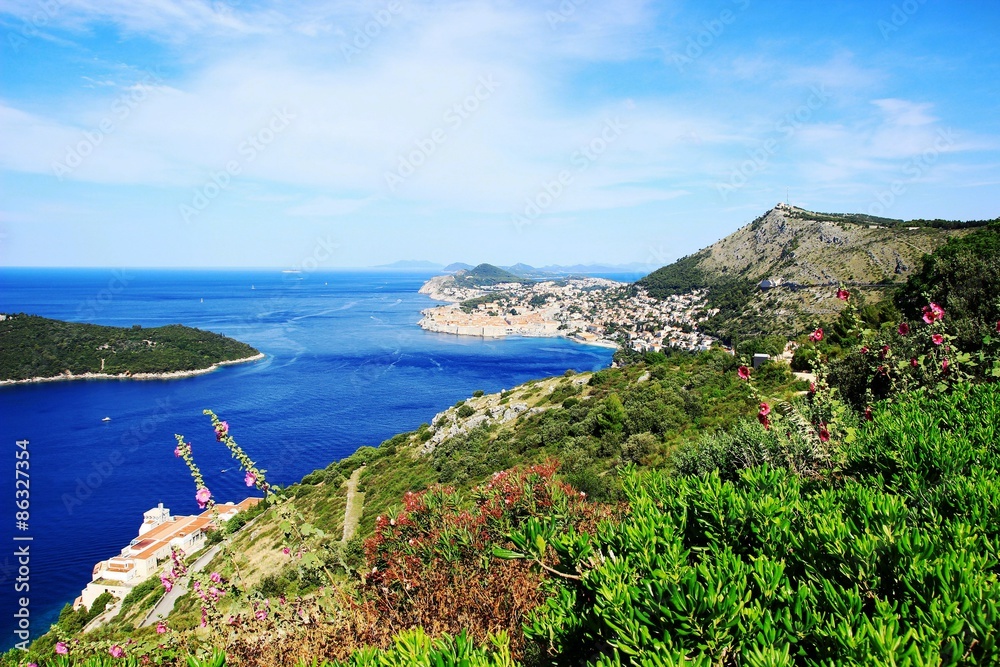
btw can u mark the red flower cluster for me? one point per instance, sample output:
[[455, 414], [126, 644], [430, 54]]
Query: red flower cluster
[[762, 415], [816, 336], [843, 294], [433, 526], [743, 373], [932, 312]]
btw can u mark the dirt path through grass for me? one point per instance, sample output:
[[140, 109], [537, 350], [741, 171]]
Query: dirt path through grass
[[355, 504]]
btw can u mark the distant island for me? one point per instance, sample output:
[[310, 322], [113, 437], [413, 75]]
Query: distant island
[[39, 349]]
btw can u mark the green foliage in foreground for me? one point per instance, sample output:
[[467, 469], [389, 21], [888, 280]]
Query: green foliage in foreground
[[416, 649], [894, 563], [33, 346]]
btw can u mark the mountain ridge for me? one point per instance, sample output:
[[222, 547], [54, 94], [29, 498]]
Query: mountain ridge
[[782, 263]]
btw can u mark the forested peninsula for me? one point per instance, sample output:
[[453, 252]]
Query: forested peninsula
[[38, 349]]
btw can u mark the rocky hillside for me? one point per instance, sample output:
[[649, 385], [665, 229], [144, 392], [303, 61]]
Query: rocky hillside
[[784, 262]]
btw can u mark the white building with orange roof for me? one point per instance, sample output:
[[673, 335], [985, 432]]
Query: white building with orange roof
[[158, 533]]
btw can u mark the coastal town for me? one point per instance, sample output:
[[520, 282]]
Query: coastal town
[[591, 310]]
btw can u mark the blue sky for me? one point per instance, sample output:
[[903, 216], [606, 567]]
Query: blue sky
[[267, 133]]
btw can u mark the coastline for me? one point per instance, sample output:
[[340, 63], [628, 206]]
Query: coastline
[[172, 375]]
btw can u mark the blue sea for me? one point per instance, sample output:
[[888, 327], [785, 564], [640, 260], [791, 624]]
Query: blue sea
[[346, 366]]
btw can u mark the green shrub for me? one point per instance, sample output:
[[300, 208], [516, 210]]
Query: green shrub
[[894, 562]]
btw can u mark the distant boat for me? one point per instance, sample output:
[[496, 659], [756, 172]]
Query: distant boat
[[106, 419], [291, 271], [252, 287], [203, 301]]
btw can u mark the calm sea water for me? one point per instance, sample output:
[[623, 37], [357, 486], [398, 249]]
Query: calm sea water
[[346, 366]]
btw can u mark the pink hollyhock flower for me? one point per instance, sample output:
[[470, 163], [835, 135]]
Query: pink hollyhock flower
[[903, 329], [937, 339], [204, 617], [250, 478], [203, 497], [998, 326], [116, 651], [913, 362], [743, 373], [167, 584], [765, 410], [221, 430], [61, 648], [816, 336], [286, 551], [843, 294], [161, 627], [884, 352], [216, 577], [932, 312], [824, 434], [868, 413], [944, 365], [177, 452], [812, 387], [261, 614], [864, 349]]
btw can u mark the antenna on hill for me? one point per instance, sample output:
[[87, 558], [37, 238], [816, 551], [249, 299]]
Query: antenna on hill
[[787, 203]]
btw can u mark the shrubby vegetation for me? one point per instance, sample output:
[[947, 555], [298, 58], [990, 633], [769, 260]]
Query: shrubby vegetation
[[33, 346], [681, 509]]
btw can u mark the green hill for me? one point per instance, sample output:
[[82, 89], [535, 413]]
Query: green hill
[[774, 274], [38, 347], [486, 275]]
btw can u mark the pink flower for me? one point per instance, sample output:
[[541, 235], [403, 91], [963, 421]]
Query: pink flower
[[177, 452], [903, 329], [864, 349], [203, 497], [216, 577], [250, 478], [167, 584], [116, 651], [221, 430], [816, 336], [161, 627], [61, 648], [286, 551], [743, 373], [913, 362], [998, 326], [765, 410], [884, 352], [932, 312], [944, 365], [868, 414], [812, 387], [204, 617], [937, 339], [843, 294], [824, 434], [261, 614]]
